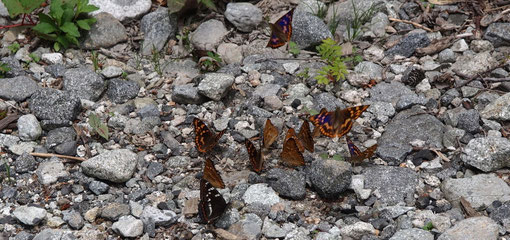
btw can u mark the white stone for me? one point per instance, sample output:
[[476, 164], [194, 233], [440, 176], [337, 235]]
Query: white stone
[[52, 58]]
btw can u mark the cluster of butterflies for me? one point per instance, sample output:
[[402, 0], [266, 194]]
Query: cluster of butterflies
[[331, 124]]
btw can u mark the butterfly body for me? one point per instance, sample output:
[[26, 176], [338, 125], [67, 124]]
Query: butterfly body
[[212, 175], [305, 136], [256, 157], [270, 134], [337, 123], [357, 156], [290, 154], [212, 205], [205, 139], [281, 30]]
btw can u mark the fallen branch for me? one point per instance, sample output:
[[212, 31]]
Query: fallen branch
[[57, 155], [411, 22], [7, 120]]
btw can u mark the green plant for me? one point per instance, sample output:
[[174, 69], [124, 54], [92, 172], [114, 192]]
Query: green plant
[[322, 9], [14, 47], [210, 63], [95, 60], [62, 23], [35, 58], [309, 111], [334, 21], [354, 27], [304, 74], [16, 7], [99, 127], [124, 75], [208, 3], [336, 157], [4, 68], [294, 48], [335, 69], [8, 171], [155, 60], [184, 39], [428, 226]]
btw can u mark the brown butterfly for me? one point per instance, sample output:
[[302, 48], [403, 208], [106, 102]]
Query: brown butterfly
[[270, 134], [212, 205], [291, 154], [305, 136], [205, 140], [357, 156], [256, 157], [212, 175], [291, 133], [337, 123]]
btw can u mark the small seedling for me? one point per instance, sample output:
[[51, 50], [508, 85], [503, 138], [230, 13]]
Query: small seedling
[[14, 47], [124, 75], [156, 61], [324, 156], [99, 127], [294, 48], [336, 70], [309, 111], [338, 157], [428, 226], [95, 61], [35, 58], [354, 28], [304, 74], [4, 68], [210, 63]]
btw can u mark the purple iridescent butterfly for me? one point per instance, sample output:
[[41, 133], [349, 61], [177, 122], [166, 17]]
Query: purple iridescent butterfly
[[357, 155], [281, 30]]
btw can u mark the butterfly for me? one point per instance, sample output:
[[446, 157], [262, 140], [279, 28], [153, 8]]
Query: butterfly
[[205, 140], [212, 175], [305, 136], [256, 157], [281, 30], [270, 134], [212, 205], [291, 154], [337, 123], [356, 154]]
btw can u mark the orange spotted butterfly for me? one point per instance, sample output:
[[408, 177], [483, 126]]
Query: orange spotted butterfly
[[212, 205], [281, 30], [337, 123], [291, 154], [212, 175], [356, 154], [270, 134], [256, 157], [304, 138], [205, 140]]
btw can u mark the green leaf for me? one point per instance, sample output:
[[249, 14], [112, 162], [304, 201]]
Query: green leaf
[[83, 24], [14, 7], [34, 57], [324, 156], [338, 157], [428, 226], [94, 121], [46, 18], [103, 131], [294, 48], [63, 41], [209, 4], [68, 15], [44, 28], [56, 46], [72, 39], [98, 126], [70, 28], [56, 11], [30, 5], [88, 8]]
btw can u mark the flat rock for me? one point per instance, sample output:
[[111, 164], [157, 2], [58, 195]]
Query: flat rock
[[215, 85], [468, 66], [208, 35], [106, 32], [308, 30], [289, 184], [406, 127], [116, 165], [498, 109], [498, 34], [487, 153], [84, 83], [479, 190], [329, 177], [157, 28], [393, 183], [120, 91], [244, 16], [54, 108], [48, 172], [474, 228], [412, 234], [128, 226], [187, 94], [389, 92], [250, 227], [409, 43], [122, 10], [17, 88], [261, 194], [29, 215]]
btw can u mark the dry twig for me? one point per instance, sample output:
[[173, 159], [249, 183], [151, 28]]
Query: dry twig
[[410, 22]]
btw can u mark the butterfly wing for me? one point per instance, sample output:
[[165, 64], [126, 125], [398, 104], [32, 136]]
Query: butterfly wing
[[352, 148], [291, 154], [291, 133], [212, 175], [212, 205], [270, 134], [344, 119], [305, 136], [281, 30], [256, 159], [205, 140], [324, 121]]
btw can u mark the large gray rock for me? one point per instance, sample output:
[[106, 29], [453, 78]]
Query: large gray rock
[[261, 194], [128, 226], [54, 108], [105, 33], [48, 172], [17, 88], [468, 66], [389, 92], [115, 166], [308, 30], [120, 91], [330, 178], [474, 228], [208, 35], [29, 128], [156, 28], [498, 109], [215, 85], [393, 183], [407, 126], [187, 94], [29, 215], [84, 83], [487, 153], [479, 190], [409, 43], [250, 227], [245, 16], [289, 184], [498, 33], [122, 9]]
